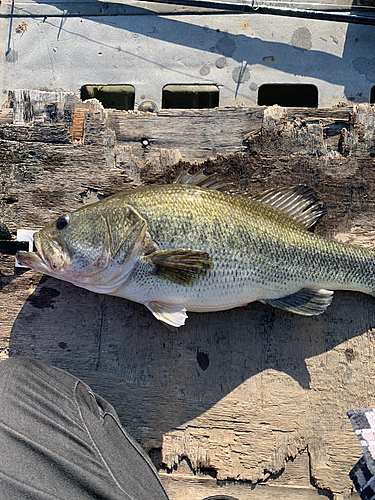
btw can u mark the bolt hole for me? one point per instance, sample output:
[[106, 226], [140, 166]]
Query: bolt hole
[[203, 360]]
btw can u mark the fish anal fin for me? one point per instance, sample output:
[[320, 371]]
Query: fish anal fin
[[305, 302], [180, 266], [298, 202], [171, 314]]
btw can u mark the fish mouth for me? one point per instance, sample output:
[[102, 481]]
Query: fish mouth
[[31, 259], [40, 260]]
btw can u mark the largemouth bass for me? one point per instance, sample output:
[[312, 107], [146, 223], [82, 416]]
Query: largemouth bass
[[194, 246]]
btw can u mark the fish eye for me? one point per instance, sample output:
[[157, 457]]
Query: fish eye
[[61, 222]]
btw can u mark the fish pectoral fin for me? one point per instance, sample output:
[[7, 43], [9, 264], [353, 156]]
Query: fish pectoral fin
[[180, 266], [305, 302], [171, 314], [299, 202]]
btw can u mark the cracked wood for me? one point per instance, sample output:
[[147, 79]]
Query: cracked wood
[[242, 396]]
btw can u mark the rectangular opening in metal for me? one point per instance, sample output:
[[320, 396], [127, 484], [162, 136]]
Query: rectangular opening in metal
[[111, 96], [372, 95], [285, 94], [190, 96]]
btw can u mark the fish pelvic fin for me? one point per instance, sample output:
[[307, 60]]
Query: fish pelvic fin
[[171, 314], [305, 302], [298, 202], [180, 266]]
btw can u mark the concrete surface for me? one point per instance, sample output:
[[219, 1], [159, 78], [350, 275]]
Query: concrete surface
[[61, 46]]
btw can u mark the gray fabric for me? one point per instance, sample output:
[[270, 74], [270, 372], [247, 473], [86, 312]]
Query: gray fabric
[[58, 440]]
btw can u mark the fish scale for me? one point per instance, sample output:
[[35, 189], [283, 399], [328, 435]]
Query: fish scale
[[193, 246], [270, 249]]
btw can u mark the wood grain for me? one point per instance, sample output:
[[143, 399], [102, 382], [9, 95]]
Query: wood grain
[[248, 403]]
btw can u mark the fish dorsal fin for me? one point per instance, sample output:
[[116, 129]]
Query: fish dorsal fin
[[201, 180], [305, 302], [299, 202], [171, 314]]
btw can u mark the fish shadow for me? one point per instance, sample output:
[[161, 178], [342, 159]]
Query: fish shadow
[[158, 379]]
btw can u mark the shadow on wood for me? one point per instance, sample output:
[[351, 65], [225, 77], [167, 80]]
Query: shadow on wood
[[168, 378], [240, 393]]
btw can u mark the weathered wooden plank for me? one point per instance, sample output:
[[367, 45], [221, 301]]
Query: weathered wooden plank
[[243, 394], [220, 131], [293, 484], [57, 134], [30, 106], [6, 115], [339, 113]]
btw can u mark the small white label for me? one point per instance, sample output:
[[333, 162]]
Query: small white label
[[25, 235]]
